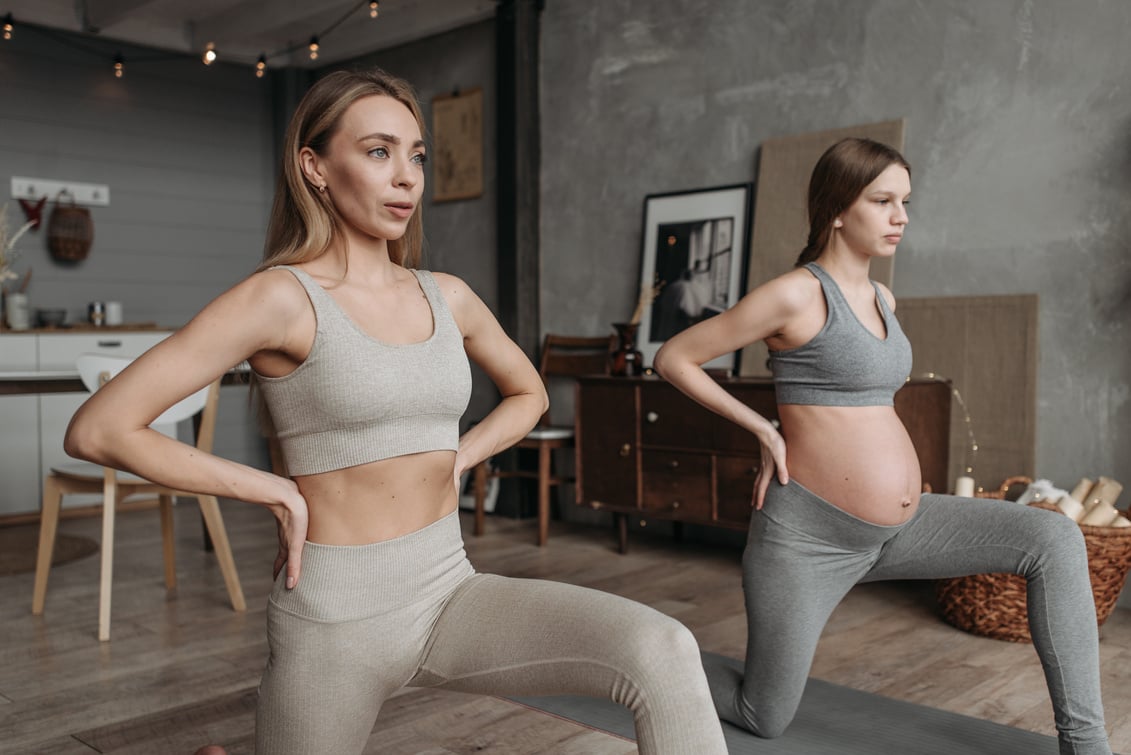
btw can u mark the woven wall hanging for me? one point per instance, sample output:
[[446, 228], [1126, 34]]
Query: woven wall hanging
[[70, 230]]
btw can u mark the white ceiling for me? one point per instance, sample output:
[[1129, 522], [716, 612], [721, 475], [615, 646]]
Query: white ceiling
[[242, 30]]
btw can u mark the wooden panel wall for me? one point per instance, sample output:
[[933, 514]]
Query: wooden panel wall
[[987, 347], [187, 153]]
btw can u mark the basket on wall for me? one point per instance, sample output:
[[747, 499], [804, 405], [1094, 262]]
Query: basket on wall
[[70, 231], [994, 605]]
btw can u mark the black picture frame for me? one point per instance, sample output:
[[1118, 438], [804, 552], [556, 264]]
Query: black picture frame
[[693, 253]]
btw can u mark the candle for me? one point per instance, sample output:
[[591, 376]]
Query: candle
[[964, 487], [1080, 492], [1103, 514], [1070, 507]]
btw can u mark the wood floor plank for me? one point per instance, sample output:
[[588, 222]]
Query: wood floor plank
[[182, 667]]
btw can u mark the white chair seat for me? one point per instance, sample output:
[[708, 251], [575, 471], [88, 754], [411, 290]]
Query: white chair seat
[[550, 433], [83, 470]]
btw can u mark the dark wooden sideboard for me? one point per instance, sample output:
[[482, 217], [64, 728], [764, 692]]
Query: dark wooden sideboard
[[645, 450]]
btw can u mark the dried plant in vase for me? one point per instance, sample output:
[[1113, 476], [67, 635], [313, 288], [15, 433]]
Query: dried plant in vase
[[8, 253], [627, 359]]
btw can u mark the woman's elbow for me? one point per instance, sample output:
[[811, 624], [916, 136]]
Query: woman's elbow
[[543, 400], [661, 363], [85, 441]]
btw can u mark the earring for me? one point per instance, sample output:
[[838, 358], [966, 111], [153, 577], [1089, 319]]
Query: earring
[[837, 223], [322, 189]]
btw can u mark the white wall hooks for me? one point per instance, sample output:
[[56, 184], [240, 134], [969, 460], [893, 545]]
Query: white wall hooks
[[84, 194]]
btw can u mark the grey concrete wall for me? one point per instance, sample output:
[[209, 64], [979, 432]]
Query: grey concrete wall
[[1018, 131], [186, 151]]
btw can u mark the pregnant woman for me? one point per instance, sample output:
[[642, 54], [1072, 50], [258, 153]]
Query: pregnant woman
[[838, 494]]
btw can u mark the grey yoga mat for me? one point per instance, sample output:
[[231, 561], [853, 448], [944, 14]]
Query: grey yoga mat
[[836, 720]]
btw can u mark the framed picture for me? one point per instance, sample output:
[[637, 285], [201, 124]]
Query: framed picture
[[693, 252], [457, 139]]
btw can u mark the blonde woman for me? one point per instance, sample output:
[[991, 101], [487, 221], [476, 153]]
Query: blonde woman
[[363, 364]]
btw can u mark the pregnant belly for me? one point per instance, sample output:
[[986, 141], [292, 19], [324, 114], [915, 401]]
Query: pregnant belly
[[859, 459]]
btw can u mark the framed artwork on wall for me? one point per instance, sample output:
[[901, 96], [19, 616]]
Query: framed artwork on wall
[[457, 140], [694, 248]]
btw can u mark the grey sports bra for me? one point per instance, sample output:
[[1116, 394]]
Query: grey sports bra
[[355, 399], [845, 364]]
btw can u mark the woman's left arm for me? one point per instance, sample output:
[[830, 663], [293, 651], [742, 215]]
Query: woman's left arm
[[524, 395]]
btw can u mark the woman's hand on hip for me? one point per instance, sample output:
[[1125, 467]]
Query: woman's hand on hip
[[291, 520], [772, 446]]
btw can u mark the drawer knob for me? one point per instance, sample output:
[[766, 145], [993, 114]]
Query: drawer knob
[[596, 505], [109, 344], [674, 464], [625, 450], [651, 417], [675, 504]]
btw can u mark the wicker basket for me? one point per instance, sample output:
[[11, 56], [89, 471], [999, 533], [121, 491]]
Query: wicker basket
[[70, 231], [994, 605]]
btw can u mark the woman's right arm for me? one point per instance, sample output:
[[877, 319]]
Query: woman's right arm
[[260, 314], [763, 313]]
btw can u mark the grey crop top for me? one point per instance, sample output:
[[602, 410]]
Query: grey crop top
[[845, 364], [355, 399]]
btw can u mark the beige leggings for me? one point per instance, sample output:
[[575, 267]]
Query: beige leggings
[[365, 621]]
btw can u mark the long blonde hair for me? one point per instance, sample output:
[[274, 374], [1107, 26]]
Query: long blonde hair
[[304, 222]]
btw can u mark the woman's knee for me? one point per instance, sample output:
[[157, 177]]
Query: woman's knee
[[1061, 539], [665, 644]]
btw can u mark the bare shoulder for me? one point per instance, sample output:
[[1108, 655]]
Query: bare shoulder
[[889, 297], [452, 285], [461, 299], [277, 290], [792, 292]]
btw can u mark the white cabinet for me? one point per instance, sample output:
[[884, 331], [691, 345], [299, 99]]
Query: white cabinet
[[32, 427], [19, 420]]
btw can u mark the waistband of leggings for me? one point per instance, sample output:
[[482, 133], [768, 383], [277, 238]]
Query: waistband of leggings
[[402, 571], [796, 506]]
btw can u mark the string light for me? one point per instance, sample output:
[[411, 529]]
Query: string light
[[972, 442], [210, 54]]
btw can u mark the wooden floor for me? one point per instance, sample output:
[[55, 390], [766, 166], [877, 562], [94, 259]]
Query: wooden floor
[[181, 670]]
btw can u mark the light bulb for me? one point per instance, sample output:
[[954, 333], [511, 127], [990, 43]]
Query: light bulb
[[209, 56], [8, 26], [119, 66], [373, 9], [314, 48], [260, 66]]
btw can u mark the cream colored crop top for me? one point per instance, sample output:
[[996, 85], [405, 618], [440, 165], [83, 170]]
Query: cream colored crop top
[[355, 399]]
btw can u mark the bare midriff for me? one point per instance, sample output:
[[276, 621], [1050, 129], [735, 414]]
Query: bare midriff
[[858, 458], [380, 500]]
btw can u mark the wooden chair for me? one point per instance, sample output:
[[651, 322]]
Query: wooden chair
[[562, 356], [115, 486]]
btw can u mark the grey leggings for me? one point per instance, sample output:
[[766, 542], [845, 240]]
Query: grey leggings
[[365, 621], [803, 555]]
